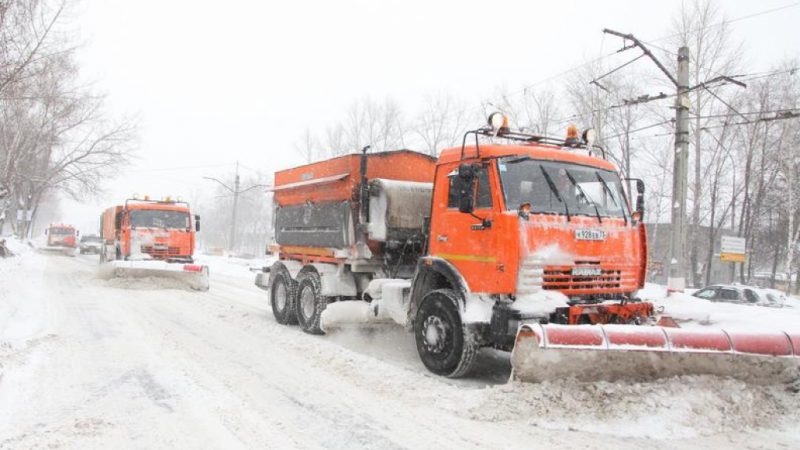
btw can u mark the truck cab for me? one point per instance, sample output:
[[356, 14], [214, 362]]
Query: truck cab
[[149, 229], [60, 235], [536, 216]]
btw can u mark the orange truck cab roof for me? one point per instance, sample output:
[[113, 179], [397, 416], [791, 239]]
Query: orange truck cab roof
[[534, 151], [156, 205]]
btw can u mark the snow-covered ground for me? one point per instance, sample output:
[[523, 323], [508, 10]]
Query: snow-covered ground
[[86, 362], [693, 312]]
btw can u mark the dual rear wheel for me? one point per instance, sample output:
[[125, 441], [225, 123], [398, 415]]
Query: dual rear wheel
[[298, 301], [444, 342]]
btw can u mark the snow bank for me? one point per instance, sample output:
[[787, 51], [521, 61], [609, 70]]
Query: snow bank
[[692, 311], [234, 267], [662, 409], [16, 246], [542, 303]]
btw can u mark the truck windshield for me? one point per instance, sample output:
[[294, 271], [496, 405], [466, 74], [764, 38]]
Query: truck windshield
[[560, 188], [59, 231], [155, 218]]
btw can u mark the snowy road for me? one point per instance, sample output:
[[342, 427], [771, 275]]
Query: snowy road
[[87, 362]]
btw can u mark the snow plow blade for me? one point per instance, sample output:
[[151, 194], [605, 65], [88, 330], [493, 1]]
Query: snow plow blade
[[194, 275], [640, 353], [66, 251]]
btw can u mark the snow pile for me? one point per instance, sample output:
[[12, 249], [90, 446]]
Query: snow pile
[[552, 255], [15, 245], [542, 303], [692, 311], [233, 266], [346, 313], [669, 408], [147, 283]]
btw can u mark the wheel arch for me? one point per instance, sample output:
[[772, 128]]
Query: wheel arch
[[434, 273]]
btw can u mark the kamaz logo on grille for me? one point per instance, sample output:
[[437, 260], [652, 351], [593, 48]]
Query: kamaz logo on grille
[[586, 271], [587, 234]]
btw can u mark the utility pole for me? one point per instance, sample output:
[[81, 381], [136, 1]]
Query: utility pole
[[677, 263], [680, 172], [235, 190]]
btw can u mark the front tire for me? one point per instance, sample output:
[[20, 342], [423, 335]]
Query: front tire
[[445, 345], [310, 302], [282, 296]]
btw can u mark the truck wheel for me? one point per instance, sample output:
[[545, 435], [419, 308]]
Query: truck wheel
[[444, 343], [310, 303], [282, 297]]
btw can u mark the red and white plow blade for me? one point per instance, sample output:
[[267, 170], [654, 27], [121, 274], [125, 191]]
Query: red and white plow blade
[[612, 352], [194, 275]]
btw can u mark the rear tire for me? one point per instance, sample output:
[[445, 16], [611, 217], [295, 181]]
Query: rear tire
[[309, 301], [282, 296], [445, 345]]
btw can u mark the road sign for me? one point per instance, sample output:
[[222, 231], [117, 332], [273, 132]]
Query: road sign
[[733, 249], [732, 257]]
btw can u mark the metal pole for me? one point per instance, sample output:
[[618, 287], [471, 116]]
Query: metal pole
[[235, 206], [677, 267]]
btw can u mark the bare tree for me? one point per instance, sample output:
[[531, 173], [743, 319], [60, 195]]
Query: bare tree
[[700, 25], [54, 133], [441, 123], [307, 147]]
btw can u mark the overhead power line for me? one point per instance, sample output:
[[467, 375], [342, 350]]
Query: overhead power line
[[729, 21], [650, 42], [778, 116], [750, 113]]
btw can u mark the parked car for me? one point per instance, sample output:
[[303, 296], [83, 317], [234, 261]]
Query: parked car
[[90, 244], [738, 293]]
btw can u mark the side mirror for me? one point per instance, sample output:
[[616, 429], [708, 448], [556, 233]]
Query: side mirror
[[464, 184], [639, 210], [45, 231], [640, 198], [196, 223]]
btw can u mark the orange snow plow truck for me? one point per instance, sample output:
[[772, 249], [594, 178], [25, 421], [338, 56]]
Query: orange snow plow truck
[[514, 241], [156, 238], [61, 238]]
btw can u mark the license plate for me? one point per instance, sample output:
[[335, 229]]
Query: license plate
[[590, 235], [586, 271]]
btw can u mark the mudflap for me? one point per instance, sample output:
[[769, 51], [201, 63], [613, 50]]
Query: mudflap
[[194, 276], [641, 353]]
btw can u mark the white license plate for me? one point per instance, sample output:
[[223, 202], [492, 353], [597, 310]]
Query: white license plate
[[590, 235], [586, 271]]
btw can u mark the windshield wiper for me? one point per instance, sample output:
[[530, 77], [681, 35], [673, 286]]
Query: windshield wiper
[[588, 199], [554, 190], [611, 195]]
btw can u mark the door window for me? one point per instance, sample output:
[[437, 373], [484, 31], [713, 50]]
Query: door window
[[728, 294], [751, 296], [707, 293]]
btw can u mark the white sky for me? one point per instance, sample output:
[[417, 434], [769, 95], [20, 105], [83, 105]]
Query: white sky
[[216, 82]]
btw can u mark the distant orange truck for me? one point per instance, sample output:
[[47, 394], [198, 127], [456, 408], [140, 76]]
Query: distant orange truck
[[152, 237]]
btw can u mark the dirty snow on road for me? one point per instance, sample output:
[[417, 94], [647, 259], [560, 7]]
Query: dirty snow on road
[[87, 362]]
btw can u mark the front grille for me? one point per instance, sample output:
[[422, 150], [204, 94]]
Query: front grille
[[161, 252], [563, 279]]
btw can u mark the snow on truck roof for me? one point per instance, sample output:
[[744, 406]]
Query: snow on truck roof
[[535, 151], [285, 178], [161, 205]]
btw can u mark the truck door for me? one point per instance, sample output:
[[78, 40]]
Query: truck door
[[460, 238]]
